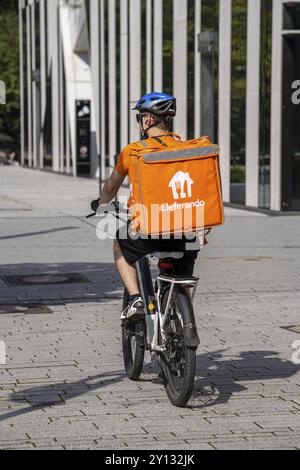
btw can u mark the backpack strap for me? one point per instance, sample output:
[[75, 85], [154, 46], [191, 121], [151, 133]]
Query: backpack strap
[[160, 141]]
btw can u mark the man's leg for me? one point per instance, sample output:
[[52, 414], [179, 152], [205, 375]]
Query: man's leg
[[185, 267], [127, 271]]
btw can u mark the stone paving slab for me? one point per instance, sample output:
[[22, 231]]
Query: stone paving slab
[[64, 386]]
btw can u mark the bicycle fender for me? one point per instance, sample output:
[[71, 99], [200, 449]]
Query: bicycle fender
[[192, 339], [191, 336]]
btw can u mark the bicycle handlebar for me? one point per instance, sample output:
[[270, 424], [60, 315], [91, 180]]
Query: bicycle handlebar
[[112, 207]]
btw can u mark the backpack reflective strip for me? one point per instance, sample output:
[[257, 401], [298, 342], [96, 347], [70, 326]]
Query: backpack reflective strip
[[197, 152]]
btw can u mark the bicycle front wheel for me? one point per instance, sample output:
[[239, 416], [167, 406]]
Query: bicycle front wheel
[[178, 362], [133, 342]]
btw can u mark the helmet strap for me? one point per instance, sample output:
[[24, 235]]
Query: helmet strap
[[145, 131]]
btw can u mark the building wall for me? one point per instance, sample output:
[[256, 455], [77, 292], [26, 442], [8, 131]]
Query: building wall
[[112, 52]]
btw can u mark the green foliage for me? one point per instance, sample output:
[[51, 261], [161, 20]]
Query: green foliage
[[239, 63], [9, 68], [265, 83], [8, 5], [238, 174]]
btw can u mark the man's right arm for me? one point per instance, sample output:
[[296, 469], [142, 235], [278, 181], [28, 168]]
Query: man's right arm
[[117, 178], [111, 187]]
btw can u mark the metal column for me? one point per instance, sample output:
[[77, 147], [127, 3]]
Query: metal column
[[180, 64], [158, 46], [276, 106], [22, 81], [225, 94], [149, 18], [135, 64], [102, 94], [197, 70], [112, 84], [43, 80], [29, 87], [253, 102], [124, 71]]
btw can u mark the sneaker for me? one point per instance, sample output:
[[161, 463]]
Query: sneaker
[[135, 310]]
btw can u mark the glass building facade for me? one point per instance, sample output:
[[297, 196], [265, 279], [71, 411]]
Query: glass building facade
[[233, 65]]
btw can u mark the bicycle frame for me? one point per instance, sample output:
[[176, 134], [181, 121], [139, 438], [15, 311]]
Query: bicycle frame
[[156, 322]]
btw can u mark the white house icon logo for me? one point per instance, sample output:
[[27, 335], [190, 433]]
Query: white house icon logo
[[178, 183]]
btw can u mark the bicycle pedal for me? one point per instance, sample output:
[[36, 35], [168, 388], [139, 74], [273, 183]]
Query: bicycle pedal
[[176, 373]]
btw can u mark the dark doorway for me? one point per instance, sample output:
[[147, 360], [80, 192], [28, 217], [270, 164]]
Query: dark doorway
[[291, 111]]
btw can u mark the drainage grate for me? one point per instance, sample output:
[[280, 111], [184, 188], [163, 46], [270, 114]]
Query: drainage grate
[[292, 329], [45, 279], [24, 309]]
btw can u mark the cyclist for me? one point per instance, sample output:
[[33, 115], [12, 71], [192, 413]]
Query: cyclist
[[155, 114]]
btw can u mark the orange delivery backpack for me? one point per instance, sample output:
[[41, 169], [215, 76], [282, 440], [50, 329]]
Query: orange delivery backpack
[[176, 189]]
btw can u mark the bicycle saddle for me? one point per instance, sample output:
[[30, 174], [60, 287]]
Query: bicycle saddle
[[167, 254]]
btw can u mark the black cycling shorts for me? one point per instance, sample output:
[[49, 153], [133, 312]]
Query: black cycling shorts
[[135, 249]]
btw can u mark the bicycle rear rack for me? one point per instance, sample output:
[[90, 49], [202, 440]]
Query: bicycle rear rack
[[163, 316], [160, 317], [186, 282]]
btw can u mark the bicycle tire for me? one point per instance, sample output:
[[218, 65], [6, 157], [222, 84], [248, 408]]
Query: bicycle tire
[[180, 397], [133, 344]]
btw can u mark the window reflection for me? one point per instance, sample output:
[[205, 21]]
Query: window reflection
[[238, 101], [265, 104]]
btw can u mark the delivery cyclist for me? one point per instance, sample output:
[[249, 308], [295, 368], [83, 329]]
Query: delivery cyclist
[[155, 113]]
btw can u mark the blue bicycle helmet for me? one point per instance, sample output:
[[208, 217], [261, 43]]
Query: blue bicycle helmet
[[159, 104]]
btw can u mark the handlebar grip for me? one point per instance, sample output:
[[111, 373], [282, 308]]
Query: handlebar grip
[[112, 207]]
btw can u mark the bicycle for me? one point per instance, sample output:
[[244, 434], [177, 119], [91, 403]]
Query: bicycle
[[169, 330]]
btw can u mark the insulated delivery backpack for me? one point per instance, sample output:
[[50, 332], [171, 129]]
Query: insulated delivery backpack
[[175, 189]]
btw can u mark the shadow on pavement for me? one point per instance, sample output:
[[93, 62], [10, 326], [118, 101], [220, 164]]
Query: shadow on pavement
[[219, 378], [47, 396], [34, 234]]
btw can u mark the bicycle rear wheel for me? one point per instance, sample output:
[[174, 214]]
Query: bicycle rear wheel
[[178, 363], [133, 342]]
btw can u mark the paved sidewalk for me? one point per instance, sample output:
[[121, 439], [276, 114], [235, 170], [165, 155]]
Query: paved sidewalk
[[64, 385]]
